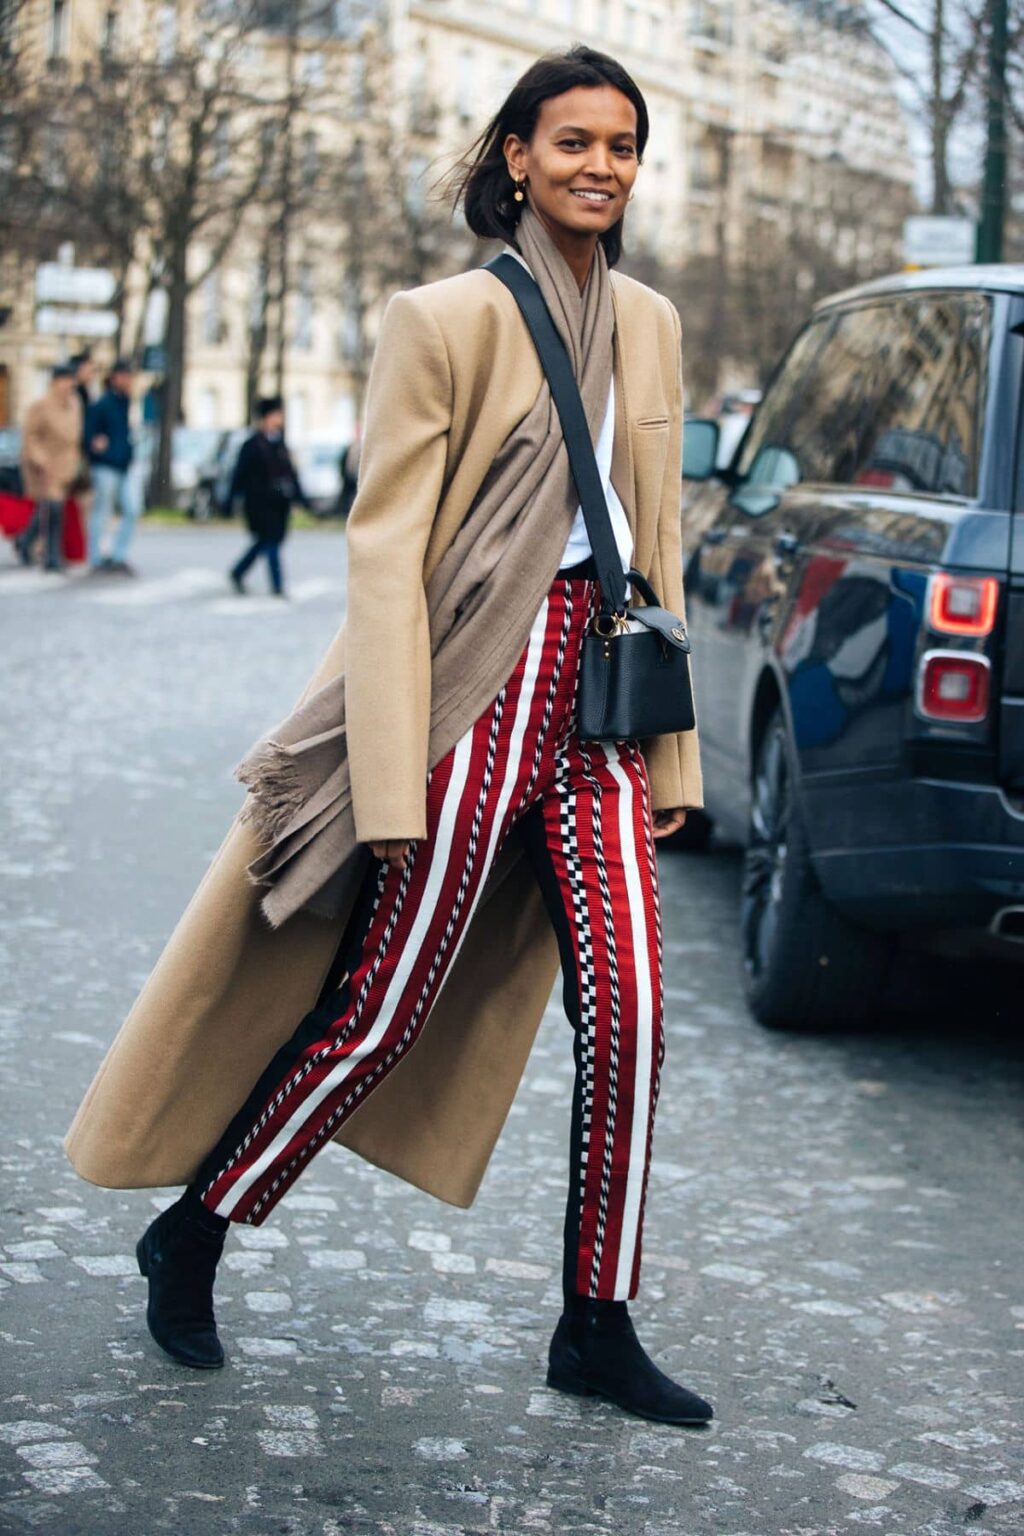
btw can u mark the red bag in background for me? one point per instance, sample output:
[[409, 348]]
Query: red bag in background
[[16, 513], [74, 531]]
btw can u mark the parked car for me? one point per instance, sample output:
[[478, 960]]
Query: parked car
[[319, 467], [10, 460], [190, 449], [855, 597], [213, 480]]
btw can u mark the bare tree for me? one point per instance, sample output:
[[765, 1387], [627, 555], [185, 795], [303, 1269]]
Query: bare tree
[[742, 301], [937, 48], [150, 151], [391, 229]]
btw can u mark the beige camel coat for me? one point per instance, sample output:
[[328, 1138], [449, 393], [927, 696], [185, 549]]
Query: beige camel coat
[[454, 372], [51, 445]]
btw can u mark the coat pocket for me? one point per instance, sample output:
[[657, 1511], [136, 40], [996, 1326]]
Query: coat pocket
[[650, 423]]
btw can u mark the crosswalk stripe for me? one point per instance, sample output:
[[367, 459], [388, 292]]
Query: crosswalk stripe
[[192, 581], [26, 582], [192, 584]]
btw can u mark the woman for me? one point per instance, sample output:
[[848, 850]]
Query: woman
[[472, 801]]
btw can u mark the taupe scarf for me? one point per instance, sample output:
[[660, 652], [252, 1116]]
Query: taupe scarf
[[481, 601]]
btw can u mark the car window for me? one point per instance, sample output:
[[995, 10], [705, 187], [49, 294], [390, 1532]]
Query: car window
[[889, 394], [785, 414]]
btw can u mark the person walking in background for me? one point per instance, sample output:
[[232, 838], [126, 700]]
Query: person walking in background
[[75, 538], [85, 372], [50, 458], [349, 467], [266, 480], [111, 449]]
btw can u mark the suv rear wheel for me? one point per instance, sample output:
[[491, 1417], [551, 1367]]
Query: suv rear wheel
[[805, 965]]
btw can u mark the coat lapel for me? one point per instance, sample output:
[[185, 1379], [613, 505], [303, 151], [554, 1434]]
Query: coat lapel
[[623, 478]]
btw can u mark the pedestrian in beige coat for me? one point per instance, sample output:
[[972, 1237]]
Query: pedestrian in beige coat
[[374, 916], [51, 452]]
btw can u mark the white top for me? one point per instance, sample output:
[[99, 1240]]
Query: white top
[[577, 545]]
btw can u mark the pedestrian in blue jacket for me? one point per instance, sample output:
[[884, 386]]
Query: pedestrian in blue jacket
[[111, 449]]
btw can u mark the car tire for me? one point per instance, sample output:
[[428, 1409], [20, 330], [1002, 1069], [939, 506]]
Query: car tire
[[694, 836], [805, 965]]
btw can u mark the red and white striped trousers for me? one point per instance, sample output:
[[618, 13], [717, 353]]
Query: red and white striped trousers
[[583, 812]]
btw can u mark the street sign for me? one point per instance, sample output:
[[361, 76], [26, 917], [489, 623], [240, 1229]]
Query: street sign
[[57, 284], [75, 322], [938, 240]]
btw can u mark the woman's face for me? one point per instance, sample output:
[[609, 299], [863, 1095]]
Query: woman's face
[[581, 163]]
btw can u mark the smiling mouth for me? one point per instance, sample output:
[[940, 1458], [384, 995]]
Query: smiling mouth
[[591, 196]]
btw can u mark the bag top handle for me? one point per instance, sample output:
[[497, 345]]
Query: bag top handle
[[566, 395]]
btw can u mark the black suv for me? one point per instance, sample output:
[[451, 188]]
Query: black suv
[[855, 596]]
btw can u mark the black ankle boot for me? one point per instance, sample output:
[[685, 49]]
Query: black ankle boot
[[178, 1254], [596, 1353]]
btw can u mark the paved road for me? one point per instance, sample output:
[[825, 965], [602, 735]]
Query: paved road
[[833, 1239]]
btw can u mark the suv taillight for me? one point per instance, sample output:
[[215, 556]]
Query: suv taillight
[[962, 605], [954, 686]]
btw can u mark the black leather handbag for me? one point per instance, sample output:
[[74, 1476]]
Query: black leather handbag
[[634, 671]]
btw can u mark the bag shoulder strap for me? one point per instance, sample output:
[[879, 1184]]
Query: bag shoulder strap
[[566, 395]]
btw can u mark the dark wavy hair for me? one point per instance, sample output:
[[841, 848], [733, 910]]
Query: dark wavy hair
[[481, 180]]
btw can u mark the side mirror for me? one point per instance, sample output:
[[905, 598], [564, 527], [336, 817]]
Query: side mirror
[[774, 469], [700, 448]]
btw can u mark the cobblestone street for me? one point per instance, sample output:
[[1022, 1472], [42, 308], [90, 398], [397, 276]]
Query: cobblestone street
[[833, 1236]]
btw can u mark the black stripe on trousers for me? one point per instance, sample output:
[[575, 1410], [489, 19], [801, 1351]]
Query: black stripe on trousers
[[531, 831], [332, 1002]]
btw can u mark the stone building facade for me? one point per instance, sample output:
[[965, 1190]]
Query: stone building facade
[[754, 109]]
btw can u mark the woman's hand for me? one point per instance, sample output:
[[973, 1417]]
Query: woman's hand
[[394, 850], [667, 822]]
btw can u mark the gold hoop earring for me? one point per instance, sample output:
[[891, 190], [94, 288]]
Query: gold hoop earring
[[519, 194]]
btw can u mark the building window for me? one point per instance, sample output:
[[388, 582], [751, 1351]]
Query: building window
[[304, 309], [60, 18], [8, 19], [343, 419], [310, 157], [313, 68], [167, 33], [350, 331], [109, 43], [161, 139], [464, 85], [222, 148], [212, 310], [296, 418], [360, 85], [416, 186], [268, 141], [258, 295], [208, 408], [54, 149]]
